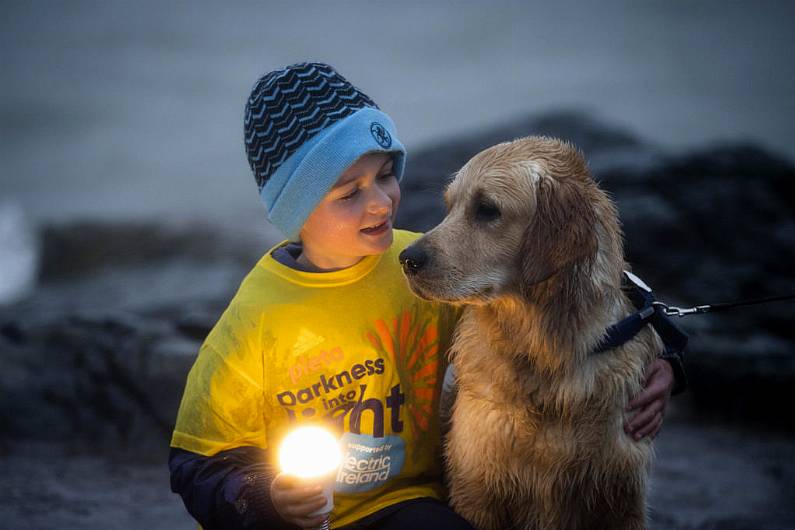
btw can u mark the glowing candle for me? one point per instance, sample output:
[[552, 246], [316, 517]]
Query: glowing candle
[[312, 454]]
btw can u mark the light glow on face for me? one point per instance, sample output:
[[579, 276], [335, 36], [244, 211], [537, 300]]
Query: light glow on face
[[309, 452], [333, 236]]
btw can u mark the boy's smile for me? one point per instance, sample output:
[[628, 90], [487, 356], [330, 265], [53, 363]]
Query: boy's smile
[[355, 217]]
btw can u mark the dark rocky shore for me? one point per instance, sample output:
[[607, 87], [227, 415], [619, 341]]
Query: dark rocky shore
[[95, 357]]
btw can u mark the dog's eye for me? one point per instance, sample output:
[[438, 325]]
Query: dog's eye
[[486, 211]]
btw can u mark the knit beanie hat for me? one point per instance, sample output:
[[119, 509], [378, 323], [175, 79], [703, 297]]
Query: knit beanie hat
[[304, 126]]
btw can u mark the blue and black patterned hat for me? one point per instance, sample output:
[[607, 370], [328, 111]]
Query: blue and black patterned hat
[[304, 126]]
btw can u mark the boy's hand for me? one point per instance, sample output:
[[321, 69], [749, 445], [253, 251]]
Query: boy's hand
[[650, 404], [294, 499]]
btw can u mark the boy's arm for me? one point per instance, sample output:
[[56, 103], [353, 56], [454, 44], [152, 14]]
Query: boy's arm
[[661, 383], [221, 414], [229, 490], [676, 358]]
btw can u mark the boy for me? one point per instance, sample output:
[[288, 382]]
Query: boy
[[324, 329]]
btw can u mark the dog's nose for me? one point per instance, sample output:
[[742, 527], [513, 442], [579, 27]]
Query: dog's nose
[[413, 259]]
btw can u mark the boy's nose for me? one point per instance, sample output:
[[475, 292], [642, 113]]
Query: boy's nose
[[380, 208], [413, 259], [380, 202]]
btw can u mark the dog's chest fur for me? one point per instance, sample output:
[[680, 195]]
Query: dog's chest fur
[[529, 432]]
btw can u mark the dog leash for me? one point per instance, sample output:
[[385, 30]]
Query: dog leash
[[671, 310], [651, 311], [647, 312]]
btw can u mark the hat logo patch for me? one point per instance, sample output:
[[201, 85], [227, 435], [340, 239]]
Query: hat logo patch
[[381, 135]]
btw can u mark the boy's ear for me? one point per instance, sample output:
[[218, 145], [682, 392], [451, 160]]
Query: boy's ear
[[560, 233]]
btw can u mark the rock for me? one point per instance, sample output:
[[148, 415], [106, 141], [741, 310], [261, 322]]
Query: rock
[[83, 247], [98, 354], [110, 383]]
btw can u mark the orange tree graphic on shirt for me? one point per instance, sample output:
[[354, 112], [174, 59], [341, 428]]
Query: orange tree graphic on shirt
[[413, 343]]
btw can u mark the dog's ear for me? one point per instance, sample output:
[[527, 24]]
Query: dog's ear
[[561, 232]]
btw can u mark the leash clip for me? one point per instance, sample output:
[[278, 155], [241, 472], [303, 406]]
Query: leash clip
[[673, 311]]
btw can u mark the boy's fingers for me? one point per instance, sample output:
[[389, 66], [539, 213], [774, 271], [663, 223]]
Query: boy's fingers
[[298, 497], [653, 426], [662, 376], [658, 383], [642, 418], [649, 395], [649, 372], [309, 522], [640, 400], [657, 430], [286, 484], [299, 514], [303, 509], [294, 499]]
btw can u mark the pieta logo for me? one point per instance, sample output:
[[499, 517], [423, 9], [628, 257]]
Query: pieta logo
[[381, 135]]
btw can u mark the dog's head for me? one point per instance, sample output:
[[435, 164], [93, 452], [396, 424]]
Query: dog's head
[[517, 214]]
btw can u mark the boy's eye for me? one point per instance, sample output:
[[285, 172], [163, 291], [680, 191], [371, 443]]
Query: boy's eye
[[350, 195], [383, 176]]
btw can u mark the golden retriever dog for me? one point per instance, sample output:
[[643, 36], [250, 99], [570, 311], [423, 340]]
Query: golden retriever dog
[[533, 249]]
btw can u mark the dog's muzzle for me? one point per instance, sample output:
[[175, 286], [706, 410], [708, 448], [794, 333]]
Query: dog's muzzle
[[413, 259]]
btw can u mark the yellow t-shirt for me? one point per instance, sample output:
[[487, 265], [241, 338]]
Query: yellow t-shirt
[[352, 348]]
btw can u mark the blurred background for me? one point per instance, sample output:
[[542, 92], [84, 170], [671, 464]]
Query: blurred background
[[128, 213]]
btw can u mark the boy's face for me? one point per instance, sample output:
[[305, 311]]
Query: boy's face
[[355, 217]]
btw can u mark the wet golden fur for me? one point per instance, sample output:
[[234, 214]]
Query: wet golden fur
[[536, 440]]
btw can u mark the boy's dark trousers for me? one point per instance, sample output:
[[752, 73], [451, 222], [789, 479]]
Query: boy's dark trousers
[[416, 514]]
